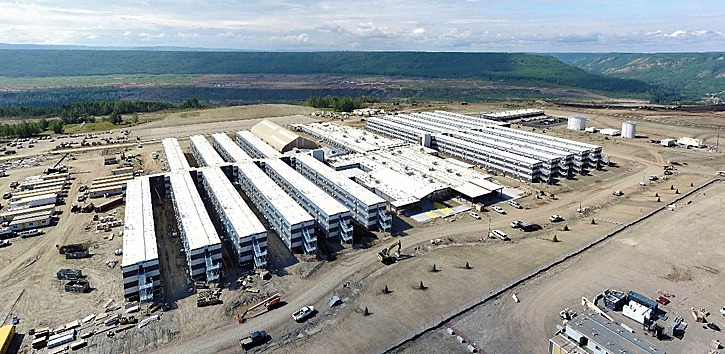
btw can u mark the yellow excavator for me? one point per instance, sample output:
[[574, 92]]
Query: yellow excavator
[[386, 257]]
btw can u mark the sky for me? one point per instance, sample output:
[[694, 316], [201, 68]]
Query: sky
[[375, 25]]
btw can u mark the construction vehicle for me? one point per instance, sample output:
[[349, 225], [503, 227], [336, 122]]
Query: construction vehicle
[[269, 303], [253, 339], [87, 208], [386, 257]]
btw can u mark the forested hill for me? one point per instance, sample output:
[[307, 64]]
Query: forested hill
[[521, 69], [686, 76]]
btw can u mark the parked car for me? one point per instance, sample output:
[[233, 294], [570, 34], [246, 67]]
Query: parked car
[[556, 218], [81, 197], [303, 313], [653, 178], [7, 195], [14, 184], [498, 209], [515, 204], [516, 224], [474, 215], [498, 233]]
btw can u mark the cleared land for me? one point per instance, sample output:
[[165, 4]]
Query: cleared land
[[358, 277]]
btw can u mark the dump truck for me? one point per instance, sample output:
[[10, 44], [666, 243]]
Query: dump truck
[[253, 339]]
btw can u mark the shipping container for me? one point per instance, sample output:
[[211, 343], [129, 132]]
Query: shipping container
[[100, 208]]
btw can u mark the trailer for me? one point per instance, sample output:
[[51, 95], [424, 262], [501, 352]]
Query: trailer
[[75, 247], [122, 171], [100, 208], [29, 224], [35, 192], [35, 201], [107, 190], [39, 342], [109, 179]]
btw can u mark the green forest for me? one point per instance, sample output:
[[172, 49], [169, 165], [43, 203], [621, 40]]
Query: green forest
[[508, 67], [676, 76]]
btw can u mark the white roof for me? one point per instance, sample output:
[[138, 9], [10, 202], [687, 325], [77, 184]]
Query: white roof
[[258, 144], [277, 198], [198, 228], [349, 138], [175, 158], [402, 188], [228, 148], [489, 151], [305, 187], [240, 216], [359, 192], [139, 235], [206, 152]]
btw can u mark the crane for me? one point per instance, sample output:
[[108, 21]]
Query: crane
[[386, 257], [269, 303]]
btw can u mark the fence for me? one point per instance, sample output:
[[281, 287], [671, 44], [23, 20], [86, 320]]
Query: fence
[[441, 320]]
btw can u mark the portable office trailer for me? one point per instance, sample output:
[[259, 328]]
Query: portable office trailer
[[109, 179], [42, 184], [29, 223], [10, 215], [36, 192], [107, 191], [35, 201], [103, 207]]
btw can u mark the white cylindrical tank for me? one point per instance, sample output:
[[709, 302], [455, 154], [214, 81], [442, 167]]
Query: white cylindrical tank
[[577, 122], [629, 130]]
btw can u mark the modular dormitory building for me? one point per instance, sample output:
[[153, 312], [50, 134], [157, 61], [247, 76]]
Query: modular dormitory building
[[228, 149], [367, 208], [291, 222], [140, 262], [241, 226], [331, 217], [255, 147], [203, 152], [174, 156], [520, 154], [202, 245]]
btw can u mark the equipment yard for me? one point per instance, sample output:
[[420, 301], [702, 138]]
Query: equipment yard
[[444, 266]]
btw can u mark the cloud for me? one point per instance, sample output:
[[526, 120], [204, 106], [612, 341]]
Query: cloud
[[419, 31], [678, 33], [300, 38], [92, 36]]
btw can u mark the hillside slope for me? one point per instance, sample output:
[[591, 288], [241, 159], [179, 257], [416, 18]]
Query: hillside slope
[[511, 68], [681, 76]]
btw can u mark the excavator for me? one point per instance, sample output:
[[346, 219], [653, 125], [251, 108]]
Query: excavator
[[386, 257]]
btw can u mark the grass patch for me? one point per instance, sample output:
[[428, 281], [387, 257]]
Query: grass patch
[[92, 80]]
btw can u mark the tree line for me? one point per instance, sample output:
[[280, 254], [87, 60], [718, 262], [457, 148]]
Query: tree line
[[28, 129], [340, 104]]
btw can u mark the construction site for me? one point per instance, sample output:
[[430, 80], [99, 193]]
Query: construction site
[[285, 234]]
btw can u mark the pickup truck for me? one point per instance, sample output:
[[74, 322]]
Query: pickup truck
[[253, 339]]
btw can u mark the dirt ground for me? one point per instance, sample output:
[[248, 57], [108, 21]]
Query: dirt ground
[[672, 252], [29, 265]]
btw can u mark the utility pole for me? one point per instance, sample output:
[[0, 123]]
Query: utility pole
[[489, 225]]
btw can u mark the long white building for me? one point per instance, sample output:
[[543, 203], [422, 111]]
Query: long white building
[[174, 156], [348, 138], [516, 153], [256, 147], [291, 222], [201, 243], [203, 152], [140, 262], [331, 217], [241, 227], [366, 208], [230, 151]]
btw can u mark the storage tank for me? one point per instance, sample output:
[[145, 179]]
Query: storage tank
[[629, 130], [576, 122]]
